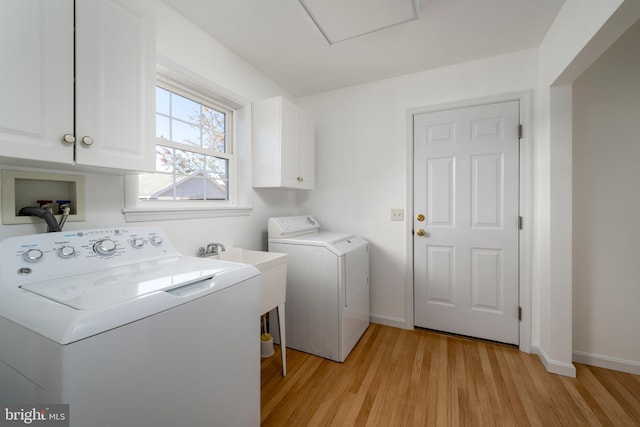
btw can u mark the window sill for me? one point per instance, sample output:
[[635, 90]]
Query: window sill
[[139, 215]]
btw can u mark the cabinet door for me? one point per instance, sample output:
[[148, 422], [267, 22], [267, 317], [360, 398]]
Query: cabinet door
[[306, 154], [290, 145], [115, 85], [36, 79], [297, 148]]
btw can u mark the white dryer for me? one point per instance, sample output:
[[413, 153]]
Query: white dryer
[[327, 307]]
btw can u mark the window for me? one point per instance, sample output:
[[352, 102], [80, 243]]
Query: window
[[202, 149], [193, 149]]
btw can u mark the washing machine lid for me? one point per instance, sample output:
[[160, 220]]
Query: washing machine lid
[[337, 242], [76, 307], [319, 238], [99, 290], [290, 226]]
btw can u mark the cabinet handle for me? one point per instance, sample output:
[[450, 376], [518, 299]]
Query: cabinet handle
[[68, 139], [87, 140], [300, 179]]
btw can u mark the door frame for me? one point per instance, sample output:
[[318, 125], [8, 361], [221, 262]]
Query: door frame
[[525, 204]]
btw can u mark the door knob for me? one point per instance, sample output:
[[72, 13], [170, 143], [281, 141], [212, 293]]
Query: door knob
[[420, 232], [420, 217], [87, 140]]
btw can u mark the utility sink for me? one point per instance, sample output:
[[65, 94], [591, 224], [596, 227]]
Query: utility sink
[[273, 288], [273, 274]]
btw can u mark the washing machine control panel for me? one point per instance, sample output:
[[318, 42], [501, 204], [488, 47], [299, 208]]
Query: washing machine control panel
[[46, 256]]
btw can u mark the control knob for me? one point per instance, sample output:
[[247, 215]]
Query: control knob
[[66, 252], [137, 243], [105, 247], [32, 255], [156, 240]]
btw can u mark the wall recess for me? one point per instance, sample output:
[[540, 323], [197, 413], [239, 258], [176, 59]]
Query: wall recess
[[24, 188]]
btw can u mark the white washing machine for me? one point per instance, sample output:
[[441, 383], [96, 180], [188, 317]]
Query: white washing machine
[[120, 326], [327, 307]]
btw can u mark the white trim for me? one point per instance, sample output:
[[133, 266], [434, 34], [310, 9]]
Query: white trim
[[554, 366], [409, 285], [526, 198], [607, 362], [526, 211], [394, 322], [186, 80], [138, 215]]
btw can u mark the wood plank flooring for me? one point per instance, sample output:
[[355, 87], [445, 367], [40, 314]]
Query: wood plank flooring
[[395, 377]]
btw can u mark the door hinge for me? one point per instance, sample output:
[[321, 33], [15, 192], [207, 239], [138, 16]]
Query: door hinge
[[519, 222], [519, 131], [519, 314]]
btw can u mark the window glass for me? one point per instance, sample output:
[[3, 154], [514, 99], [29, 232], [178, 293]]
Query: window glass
[[192, 153], [162, 101]]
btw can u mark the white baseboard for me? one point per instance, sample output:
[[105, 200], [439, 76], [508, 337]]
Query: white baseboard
[[395, 322], [607, 362], [554, 366]]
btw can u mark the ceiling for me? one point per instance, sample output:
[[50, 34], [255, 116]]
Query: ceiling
[[281, 39]]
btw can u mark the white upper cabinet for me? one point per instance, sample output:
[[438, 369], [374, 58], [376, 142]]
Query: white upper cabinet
[[36, 79], [106, 119], [115, 85], [283, 145]]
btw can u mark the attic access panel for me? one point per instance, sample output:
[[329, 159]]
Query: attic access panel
[[340, 20]]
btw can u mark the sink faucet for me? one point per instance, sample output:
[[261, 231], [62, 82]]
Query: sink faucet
[[212, 248]]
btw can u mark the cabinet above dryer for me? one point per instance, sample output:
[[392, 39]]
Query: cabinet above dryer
[[283, 145]]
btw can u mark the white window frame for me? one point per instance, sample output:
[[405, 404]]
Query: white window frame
[[179, 89], [173, 76]]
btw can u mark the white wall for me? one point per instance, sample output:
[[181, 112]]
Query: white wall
[[181, 41], [581, 32], [606, 205], [362, 140]]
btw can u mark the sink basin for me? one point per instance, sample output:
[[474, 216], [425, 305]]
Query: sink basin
[[273, 274]]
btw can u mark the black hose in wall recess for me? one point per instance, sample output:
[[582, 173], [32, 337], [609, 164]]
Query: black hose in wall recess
[[44, 214]]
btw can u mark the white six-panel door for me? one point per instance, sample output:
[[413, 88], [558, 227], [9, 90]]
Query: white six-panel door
[[466, 185]]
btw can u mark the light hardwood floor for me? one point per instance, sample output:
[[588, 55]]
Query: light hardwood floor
[[396, 377]]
